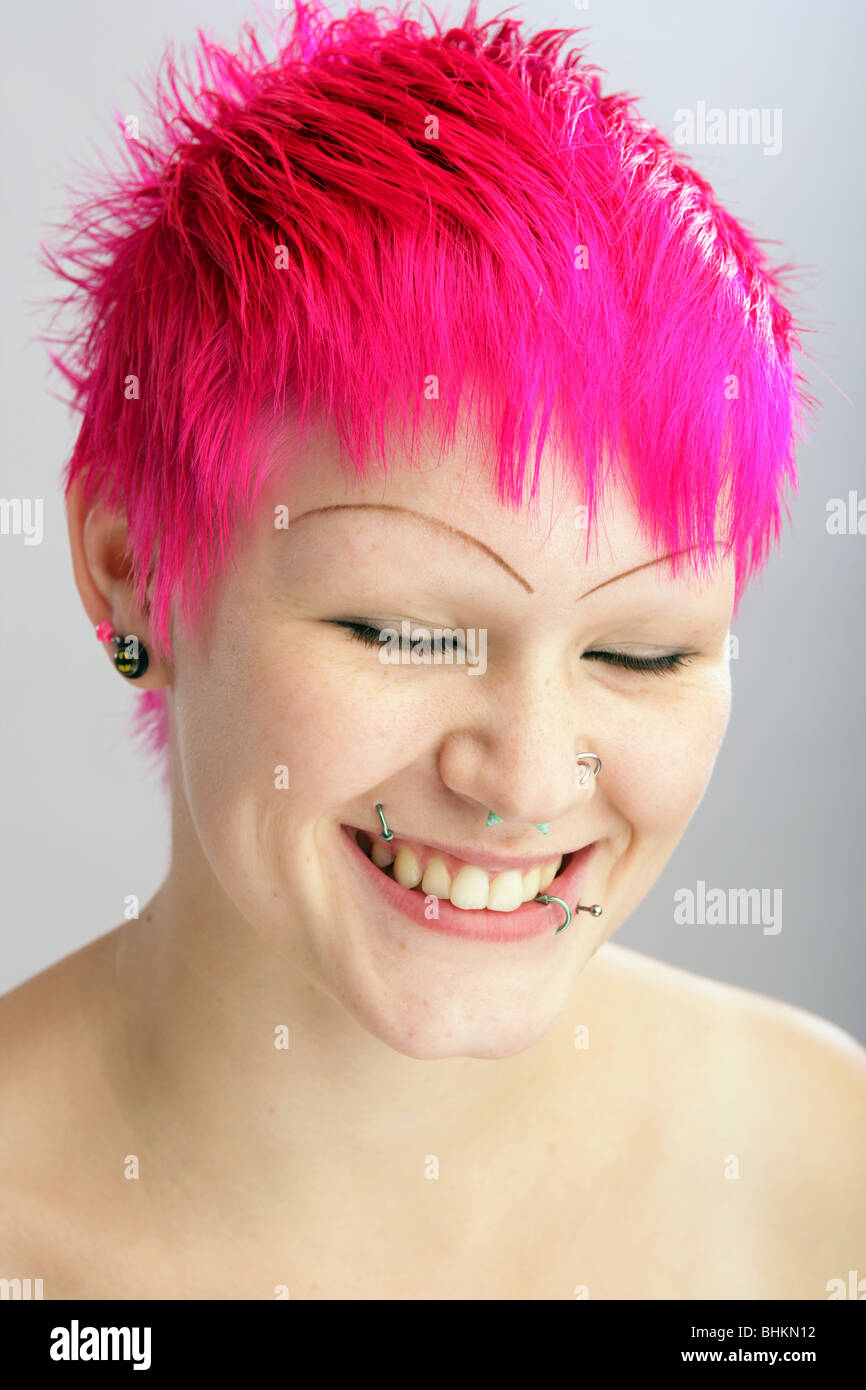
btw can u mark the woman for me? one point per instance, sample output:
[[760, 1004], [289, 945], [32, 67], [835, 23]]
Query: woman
[[435, 418]]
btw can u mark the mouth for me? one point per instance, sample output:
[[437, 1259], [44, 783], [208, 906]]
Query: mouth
[[459, 897]]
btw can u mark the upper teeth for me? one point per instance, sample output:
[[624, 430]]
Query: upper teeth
[[469, 887]]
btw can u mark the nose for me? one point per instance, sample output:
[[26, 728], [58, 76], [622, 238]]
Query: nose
[[527, 761]]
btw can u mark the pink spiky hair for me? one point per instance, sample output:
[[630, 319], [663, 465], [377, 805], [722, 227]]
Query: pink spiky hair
[[545, 241]]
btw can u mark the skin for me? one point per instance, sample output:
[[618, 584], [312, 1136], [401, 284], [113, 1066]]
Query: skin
[[564, 1171]]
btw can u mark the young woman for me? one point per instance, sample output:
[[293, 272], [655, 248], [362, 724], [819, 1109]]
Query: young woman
[[435, 419]]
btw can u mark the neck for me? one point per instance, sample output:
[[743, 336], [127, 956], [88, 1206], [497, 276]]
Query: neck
[[233, 1065]]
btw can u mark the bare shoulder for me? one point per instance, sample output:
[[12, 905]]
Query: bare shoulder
[[766, 1120], [778, 1052], [52, 1107]]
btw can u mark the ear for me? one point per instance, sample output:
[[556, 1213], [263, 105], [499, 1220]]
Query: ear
[[102, 569]]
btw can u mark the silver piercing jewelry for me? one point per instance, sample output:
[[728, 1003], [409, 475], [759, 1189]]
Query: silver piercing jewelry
[[581, 758], [546, 898], [386, 833]]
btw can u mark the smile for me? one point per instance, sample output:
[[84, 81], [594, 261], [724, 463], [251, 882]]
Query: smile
[[493, 901]]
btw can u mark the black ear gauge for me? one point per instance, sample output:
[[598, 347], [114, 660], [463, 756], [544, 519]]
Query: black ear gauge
[[130, 656]]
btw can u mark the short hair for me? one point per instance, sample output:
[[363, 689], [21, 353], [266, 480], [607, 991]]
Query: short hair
[[355, 229]]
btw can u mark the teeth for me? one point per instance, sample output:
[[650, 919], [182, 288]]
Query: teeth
[[506, 891], [407, 870], [436, 880], [470, 888], [530, 885], [546, 876], [381, 855]]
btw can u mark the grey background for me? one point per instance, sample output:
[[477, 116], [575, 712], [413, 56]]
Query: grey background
[[81, 828]]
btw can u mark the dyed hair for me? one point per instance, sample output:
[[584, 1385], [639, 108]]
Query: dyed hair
[[324, 232]]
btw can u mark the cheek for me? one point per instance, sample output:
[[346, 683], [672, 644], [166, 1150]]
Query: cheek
[[262, 699], [664, 756]]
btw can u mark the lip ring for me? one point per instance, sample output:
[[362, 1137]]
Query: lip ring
[[549, 898]]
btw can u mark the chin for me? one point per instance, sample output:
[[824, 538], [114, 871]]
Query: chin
[[439, 1020]]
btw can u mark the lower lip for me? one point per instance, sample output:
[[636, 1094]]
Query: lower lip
[[532, 919]]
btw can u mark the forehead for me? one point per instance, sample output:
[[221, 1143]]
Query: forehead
[[445, 494]]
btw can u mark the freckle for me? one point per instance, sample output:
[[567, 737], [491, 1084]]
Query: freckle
[[402, 945], [426, 1003], [270, 1109], [448, 1034]]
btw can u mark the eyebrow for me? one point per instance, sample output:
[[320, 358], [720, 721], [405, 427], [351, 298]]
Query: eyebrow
[[646, 565], [473, 540], [430, 521]]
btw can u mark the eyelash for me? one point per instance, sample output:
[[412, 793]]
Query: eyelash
[[653, 665]]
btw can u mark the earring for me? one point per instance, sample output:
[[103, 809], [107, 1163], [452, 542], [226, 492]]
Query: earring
[[130, 655]]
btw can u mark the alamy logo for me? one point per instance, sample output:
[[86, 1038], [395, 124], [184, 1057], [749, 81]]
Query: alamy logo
[[856, 1287], [737, 126], [22, 516], [76, 1343], [20, 1288], [716, 907], [438, 646]]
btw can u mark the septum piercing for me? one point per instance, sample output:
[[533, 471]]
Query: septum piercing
[[545, 898]]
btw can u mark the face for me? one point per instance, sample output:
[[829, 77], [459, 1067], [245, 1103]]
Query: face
[[291, 720]]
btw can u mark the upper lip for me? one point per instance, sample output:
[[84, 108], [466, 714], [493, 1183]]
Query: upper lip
[[483, 859]]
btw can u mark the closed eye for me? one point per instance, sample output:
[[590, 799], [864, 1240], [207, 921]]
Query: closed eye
[[657, 664], [370, 635]]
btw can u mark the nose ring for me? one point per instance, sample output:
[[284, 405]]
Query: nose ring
[[587, 772]]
